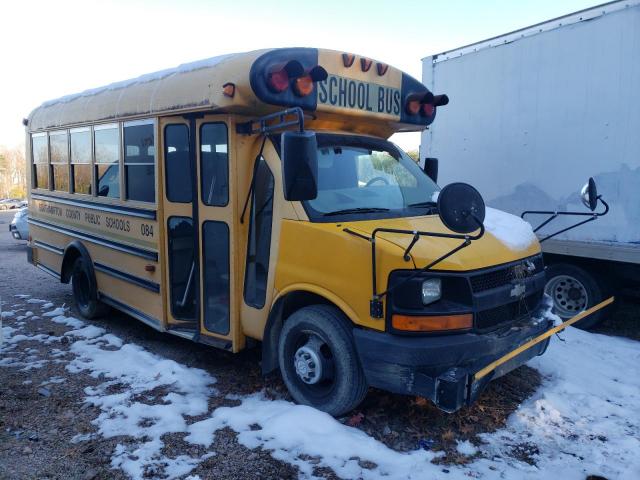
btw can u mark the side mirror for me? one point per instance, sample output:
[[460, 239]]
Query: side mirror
[[431, 168], [589, 195], [461, 208], [299, 152]]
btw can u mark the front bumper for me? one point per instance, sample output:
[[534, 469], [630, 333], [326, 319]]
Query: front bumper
[[441, 368]]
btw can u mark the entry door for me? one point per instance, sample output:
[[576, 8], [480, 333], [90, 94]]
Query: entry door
[[216, 204], [181, 273]]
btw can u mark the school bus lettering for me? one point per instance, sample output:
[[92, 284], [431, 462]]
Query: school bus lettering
[[328, 270], [92, 218], [72, 214], [349, 93], [50, 209], [117, 224], [146, 230]]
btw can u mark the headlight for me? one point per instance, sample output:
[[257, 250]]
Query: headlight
[[431, 290]]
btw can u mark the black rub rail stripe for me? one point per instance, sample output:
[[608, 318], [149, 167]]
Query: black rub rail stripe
[[139, 252], [134, 212], [46, 246], [127, 277], [48, 270], [134, 312]]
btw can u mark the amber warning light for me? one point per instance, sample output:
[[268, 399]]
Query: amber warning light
[[281, 75]]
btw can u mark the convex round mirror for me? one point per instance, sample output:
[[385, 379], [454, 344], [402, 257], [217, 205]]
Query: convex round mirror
[[589, 194], [461, 207]]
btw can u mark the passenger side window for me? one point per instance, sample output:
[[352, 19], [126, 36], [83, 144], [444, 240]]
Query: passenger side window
[[177, 162], [40, 156], [81, 160], [214, 164], [59, 150], [106, 140], [182, 268], [139, 161], [259, 244], [215, 261]]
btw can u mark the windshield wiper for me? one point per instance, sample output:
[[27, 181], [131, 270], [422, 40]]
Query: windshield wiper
[[356, 210], [423, 204]]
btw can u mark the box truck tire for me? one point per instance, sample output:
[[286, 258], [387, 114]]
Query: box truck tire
[[573, 290]]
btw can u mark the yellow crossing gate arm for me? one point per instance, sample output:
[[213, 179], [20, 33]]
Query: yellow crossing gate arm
[[505, 358]]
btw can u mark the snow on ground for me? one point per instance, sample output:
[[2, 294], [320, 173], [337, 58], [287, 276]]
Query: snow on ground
[[54, 313], [131, 411], [466, 448], [514, 232], [586, 417], [583, 420]]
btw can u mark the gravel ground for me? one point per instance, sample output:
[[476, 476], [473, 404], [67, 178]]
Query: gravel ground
[[38, 417]]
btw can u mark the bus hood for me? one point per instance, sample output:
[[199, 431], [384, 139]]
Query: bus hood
[[507, 238]]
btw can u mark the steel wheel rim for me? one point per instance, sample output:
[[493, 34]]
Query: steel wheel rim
[[318, 380], [569, 295]]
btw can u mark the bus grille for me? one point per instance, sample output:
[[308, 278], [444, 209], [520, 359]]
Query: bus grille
[[495, 317], [503, 276]]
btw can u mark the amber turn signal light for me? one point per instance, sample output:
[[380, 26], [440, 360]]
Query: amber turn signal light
[[229, 89], [439, 323], [303, 86]]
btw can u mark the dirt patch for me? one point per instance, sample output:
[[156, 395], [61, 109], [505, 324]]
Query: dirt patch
[[407, 423]]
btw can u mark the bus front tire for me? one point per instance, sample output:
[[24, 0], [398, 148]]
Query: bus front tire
[[318, 360], [85, 294]]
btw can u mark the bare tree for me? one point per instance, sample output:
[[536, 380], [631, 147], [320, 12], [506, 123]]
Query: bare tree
[[13, 178]]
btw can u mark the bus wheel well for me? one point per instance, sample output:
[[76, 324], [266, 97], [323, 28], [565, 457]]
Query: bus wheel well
[[282, 310], [72, 252]]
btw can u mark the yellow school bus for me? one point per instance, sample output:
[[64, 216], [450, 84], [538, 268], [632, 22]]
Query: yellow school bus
[[254, 199]]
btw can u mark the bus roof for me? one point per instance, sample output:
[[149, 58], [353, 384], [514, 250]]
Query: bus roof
[[343, 84]]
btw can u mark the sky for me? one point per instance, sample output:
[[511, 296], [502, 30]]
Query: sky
[[53, 48]]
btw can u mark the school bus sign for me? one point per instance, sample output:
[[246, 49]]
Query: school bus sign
[[342, 92]]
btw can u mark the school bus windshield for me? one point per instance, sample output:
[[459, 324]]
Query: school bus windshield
[[368, 178]]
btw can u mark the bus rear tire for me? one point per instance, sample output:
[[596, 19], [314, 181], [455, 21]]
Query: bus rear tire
[[85, 294], [573, 290], [318, 360]]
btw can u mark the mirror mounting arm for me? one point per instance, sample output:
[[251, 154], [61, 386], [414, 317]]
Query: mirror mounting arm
[[375, 305], [272, 122], [555, 214], [414, 240]]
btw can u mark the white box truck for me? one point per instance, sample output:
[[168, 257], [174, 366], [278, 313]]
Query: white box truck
[[532, 115]]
